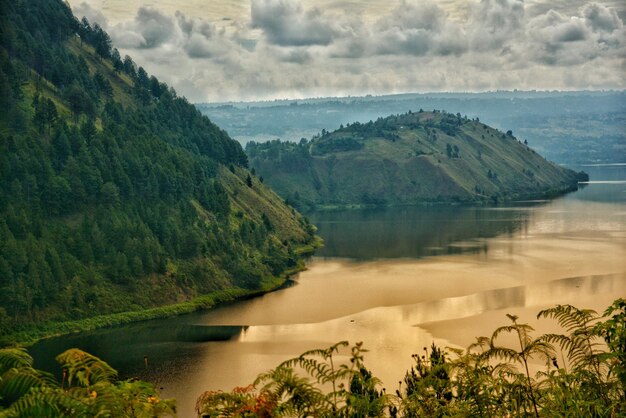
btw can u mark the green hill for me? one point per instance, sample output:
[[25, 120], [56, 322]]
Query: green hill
[[115, 193], [422, 157]]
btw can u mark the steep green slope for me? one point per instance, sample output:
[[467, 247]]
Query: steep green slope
[[115, 193], [408, 159]]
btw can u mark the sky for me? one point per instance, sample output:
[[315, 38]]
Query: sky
[[231, 50]]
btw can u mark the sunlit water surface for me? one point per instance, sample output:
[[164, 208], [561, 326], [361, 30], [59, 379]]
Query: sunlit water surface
[[396, 279]]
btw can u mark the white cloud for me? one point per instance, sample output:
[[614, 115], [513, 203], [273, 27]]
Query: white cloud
[[495, 25], [558, 40], [286, 48], [149, 29]]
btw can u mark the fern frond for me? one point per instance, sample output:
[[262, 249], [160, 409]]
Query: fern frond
[[522, 329], [504, 354], [16, 383], [85, 369], [503, 369], [569, 317], [291, 391], [539, 346], [481, 343], [14, 358], [47, 402], [324, 352]]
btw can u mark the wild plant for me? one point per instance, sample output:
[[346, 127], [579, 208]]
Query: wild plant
[[89, 388], [352, 391]]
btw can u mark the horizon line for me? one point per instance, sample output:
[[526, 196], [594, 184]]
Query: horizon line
[[431, 93]]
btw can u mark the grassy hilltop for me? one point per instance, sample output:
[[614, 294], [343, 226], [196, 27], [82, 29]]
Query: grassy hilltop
[[412, 158]]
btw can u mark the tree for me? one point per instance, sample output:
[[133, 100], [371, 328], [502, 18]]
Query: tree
[[130, 67], [156, 88], [57, 196], [110, 194], [45, 113], [84, 30], [101, 41], [51, 113], [78, 100], [249, 180], [118, 64], [142, 78], [103, 85]]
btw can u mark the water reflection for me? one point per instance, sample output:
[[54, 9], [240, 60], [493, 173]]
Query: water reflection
[[533, 295], [410, 232], [125, 347], [396, 279]]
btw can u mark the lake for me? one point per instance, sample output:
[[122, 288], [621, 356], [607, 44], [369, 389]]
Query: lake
[[396, 279]]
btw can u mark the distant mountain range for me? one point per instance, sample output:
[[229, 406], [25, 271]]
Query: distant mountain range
[[413, 158], [565, 127]]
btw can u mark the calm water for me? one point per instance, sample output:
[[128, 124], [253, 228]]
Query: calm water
[[396, 279]]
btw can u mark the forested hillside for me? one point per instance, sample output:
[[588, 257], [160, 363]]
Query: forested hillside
[[115, 193], [416, 157]]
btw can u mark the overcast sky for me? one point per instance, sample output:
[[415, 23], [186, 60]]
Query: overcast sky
[[212, 50]]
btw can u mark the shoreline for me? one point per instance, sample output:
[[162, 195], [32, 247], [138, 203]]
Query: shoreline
[[36, 333], [482, 202]]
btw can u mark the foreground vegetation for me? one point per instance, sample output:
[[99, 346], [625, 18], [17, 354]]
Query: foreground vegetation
[[580, 373], [88, 388]]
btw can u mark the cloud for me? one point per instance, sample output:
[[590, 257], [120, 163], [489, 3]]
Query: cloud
[[601, 19], [495, 24], [150, 29], [286, 48], [199, 47], [201, 39], [412, 15], [286, 23], [418, 28], [558, 40], [554, 28]]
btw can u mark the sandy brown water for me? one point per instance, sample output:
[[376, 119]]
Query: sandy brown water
[[397, 280]]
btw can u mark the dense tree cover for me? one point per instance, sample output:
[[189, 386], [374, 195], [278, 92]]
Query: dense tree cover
[[410, 158], [580, 373], [111, 196]]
